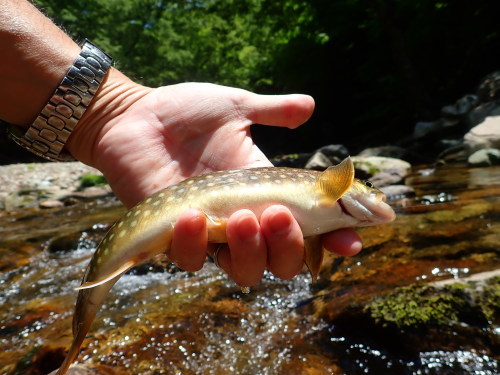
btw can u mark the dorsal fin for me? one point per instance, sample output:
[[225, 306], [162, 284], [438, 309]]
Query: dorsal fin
[[92, 284], [336, 180]]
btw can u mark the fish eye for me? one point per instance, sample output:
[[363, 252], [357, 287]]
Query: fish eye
[[367, 183]]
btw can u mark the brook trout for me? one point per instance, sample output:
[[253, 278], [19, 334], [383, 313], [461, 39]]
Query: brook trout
[[319, 201]]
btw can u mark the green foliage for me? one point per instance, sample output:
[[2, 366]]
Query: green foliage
[[89, 179], [371, 64], [162, 42]]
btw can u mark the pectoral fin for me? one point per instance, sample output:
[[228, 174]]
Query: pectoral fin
[[124, 267], [336, 180], [313, 255]]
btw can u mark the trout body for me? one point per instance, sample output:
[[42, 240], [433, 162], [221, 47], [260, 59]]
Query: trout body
[[320, 202]]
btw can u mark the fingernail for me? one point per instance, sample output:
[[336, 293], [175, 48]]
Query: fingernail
[[280, 223], [247, 229]]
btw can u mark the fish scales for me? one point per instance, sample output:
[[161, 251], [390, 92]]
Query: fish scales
[[320, 202], [218, 193]]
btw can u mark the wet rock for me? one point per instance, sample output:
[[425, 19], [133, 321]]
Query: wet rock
[[388, 177], [394, 192], [489, 88], [372, 165], [484, 158], [461, 107], [50, 204], [318, 162], [92, 369], [388, 151], [484, 135], [424, 128], [336, 153]]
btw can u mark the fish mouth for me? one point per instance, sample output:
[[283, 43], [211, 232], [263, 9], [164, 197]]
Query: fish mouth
[[367, 211]]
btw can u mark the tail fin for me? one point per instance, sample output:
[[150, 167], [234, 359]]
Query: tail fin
[[75, 346]]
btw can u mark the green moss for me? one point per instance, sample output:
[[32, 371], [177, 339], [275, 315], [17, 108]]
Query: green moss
[[88, 180], [489, 299], [418, 305]]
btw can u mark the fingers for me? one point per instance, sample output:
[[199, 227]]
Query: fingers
[[279, 110], [275, 242], [284, 241], [248, 255], [189, 241], [345, 242]]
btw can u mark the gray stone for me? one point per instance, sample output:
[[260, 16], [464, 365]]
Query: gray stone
[[388, 177], [484, 157], [397, 191], [423, 128], [318, 161], [484, 135], [389, 151], [371, 165]]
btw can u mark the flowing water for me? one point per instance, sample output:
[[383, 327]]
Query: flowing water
[[160, 320]]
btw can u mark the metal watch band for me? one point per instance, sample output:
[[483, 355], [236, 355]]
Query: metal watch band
[[48, 134]]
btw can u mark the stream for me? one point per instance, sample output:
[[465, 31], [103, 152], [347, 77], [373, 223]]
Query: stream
[[422, 298]]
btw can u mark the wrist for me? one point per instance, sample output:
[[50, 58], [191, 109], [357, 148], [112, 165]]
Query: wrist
[[115, 95]]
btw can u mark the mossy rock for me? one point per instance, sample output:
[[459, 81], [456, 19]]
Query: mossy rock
[[422, 305]]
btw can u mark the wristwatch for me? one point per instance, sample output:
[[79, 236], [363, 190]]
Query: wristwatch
[[48, 134]]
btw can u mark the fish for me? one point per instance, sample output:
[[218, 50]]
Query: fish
[[320, 202]]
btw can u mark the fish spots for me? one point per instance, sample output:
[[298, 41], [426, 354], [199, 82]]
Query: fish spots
[[194, 188], [254, 178], [133, 224], [146, 213], [277, 181], [120, 224], [137, 213], [210, 184], [149, 200], [157, 202], [122, 233], [129, 213], [111, 236], [190, 182], [170, 199]]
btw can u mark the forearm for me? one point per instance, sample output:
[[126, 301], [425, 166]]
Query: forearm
[[35, 57]]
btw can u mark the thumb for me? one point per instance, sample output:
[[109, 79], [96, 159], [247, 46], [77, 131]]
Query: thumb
[[278, 110]]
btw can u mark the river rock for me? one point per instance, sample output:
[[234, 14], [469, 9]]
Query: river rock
[[394, 192], [484, 135], [318, 161], [484, 157], [389, 151], [335, 153], [372, 165]]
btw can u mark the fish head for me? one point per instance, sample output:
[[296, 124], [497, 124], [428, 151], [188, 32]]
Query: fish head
[[366, 204]]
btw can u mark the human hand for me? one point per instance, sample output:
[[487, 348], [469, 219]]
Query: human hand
[[145, 139]]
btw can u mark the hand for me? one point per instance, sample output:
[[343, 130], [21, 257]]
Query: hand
[[156, 137]]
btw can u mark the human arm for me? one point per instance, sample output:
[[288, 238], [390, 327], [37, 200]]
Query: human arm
[[144, 139]]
